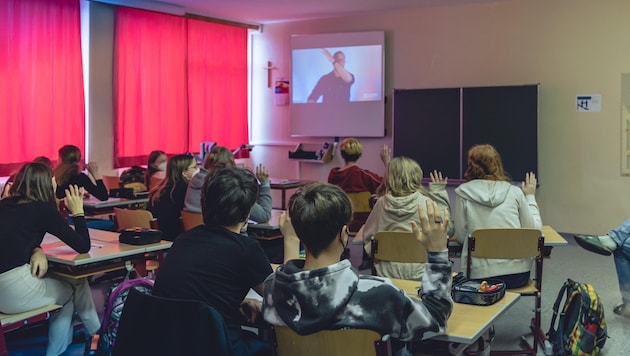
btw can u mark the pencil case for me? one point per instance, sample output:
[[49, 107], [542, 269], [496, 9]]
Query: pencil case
[[467, 291], [139, 236]]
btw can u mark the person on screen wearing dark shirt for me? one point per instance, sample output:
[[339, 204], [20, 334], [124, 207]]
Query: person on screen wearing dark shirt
[[333, 87], [215, 264]]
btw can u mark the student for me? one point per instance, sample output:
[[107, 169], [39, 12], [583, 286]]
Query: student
[[489, 200], [25, 216], [352, 178], [213, 263], [393, 211], [156, 167], [616, 242], [323, 293], [39, 159], [68, 172], [166, 200], [220, 157]]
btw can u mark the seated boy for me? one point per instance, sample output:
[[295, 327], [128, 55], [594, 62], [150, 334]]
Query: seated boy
[[323, 293], [217, 265]]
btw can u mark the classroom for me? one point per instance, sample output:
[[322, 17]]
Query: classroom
[[568, 47]]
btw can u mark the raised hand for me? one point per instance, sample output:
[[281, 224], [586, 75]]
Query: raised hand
[[436, 177], [386, 154], [262, 173], [432, 231], [74, 199], [529, 185]]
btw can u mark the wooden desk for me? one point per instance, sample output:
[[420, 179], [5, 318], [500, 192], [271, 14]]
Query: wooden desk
[[266, 231], [285, 185], [93, 205], [467, 322], [552, 238], [105, 254]]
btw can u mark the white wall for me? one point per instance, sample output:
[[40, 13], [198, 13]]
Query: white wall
[[569, 46]]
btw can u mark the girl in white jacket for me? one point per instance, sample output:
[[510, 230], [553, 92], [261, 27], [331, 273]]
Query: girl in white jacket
[[489, 200]]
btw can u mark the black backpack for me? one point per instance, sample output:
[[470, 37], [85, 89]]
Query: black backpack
[[581, 327]]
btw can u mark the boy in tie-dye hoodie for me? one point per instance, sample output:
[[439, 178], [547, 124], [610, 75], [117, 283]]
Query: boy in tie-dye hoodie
[[323, 293]]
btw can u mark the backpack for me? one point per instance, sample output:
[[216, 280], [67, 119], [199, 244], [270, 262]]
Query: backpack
[[114, 304], [582, 325], [134, 178]]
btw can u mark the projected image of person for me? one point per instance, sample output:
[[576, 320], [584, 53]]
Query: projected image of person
[[333, 87]]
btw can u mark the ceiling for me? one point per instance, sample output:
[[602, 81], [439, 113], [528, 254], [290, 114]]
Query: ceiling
[[269, 11]]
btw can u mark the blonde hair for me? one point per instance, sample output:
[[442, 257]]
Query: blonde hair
[[351, 149], [484, 162], [403, 177]]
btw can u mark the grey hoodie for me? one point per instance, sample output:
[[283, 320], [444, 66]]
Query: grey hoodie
[[261, 212], [483, 203]]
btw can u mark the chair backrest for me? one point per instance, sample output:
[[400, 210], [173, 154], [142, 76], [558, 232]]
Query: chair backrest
[[507, 243], [151, 325], [130, 218], [396, 246], [332, 342], [360, 202], [190, 219], [361, 209], [111, 182]]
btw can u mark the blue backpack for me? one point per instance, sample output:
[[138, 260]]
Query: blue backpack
[[114, 304]]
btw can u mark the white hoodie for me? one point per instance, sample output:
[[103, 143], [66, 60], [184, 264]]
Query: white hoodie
[[484, 203]]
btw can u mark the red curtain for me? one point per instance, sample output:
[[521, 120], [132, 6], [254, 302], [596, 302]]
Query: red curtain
[[151, 104], [41, 80], [217, 84]]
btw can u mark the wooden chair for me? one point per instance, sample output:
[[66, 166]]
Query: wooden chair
[[11, 322], [332, 342], [190, 219], [151, 325], [132, 218], [111, 182], [514, 243], [396, 246], [361, 209]]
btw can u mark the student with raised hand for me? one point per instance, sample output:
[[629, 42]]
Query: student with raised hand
[[68, 172], [220, 157], [215, 264], [323, 293], [25, 217], [489, 200], [352, 178], [393, 211], [166, 200], [156, 167]]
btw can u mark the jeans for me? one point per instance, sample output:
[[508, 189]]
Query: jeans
[[622, 258]]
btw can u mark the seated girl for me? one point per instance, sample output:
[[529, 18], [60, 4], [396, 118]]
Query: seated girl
[[25, 217], [489, 200], [68, 172], [156, 168], [393, 211], [166, 200]]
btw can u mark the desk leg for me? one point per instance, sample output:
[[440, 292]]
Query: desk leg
[[3, 345], [284, 197], [140, 265]]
